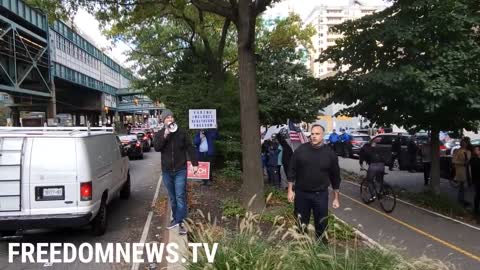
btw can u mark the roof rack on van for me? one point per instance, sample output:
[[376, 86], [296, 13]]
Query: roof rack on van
[[57, 129]]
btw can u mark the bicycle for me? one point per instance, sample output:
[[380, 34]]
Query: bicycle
[[385, 194]]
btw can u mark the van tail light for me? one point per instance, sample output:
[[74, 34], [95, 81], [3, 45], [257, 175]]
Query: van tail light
[[138, 144], [443, 147], [86, 191], [146, 137]]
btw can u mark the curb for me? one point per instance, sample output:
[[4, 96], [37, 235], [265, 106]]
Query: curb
[[365, 239]]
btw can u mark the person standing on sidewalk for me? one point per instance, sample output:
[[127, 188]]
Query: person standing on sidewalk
[[204, 140], [396, 149], [287, 153], [314, 167], [333, 140], [272, 163], [461, 160], [412, 150], [475, 167], [426, 150], [175, 146]]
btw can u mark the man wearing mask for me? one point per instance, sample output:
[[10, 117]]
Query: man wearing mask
[[314, 167], [176, 148], [205, 142]]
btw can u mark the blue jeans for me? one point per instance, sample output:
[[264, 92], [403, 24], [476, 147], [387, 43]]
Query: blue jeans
[[175, 182]]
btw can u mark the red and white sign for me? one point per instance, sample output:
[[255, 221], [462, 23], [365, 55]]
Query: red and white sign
[[202, 173]]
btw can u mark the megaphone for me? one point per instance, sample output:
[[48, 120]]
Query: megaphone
[[172, 127]]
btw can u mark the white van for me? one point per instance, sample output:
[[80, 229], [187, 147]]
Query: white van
[[59, 177]]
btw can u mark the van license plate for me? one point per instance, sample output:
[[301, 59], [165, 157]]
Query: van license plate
[[50, 193]]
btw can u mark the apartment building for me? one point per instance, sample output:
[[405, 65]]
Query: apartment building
[[326, 15]]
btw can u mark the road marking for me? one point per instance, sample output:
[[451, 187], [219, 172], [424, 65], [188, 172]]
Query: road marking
[[155, 197], [426, 210], [417, 230], [148, 223]]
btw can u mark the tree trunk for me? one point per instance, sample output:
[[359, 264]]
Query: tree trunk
[[252, 175], [435, 154]]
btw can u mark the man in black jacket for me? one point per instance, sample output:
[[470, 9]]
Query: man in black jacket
[[287, 153], [175, 146], [376, 166], [314, 167]]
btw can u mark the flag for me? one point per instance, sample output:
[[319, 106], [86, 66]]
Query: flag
[[296, 134]]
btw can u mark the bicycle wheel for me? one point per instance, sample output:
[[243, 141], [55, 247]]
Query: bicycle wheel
[[365, 192], [387, 198]]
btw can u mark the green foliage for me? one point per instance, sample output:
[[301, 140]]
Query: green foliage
[[286, 89], [437, 202], [232, 170], [232, 208], [414, 64], [249, 249]]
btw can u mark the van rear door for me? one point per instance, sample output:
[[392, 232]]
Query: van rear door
[[54, 187], [11, 149]]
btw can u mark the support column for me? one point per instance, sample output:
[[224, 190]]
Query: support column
[[77, 119], [15, 115]]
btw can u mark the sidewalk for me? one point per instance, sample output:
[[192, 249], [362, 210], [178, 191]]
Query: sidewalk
[[412, 182]]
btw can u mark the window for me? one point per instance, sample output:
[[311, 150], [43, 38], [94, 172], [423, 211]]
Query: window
[[329, 69], [365, 11], [331, 39], [385, 140], [334, 19], [334, 11]]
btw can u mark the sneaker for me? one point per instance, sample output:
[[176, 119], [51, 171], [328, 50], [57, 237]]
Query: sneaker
[[172, 225], [373, 198], [182, 230]]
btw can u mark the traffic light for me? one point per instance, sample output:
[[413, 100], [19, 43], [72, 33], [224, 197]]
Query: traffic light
[[106, 109], [135, 101]]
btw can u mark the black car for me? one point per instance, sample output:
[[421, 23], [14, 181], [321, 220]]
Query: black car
[[357, 142], [132, 146], [143, 138], [384, 145]]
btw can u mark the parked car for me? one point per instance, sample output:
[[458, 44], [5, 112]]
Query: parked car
[[143, 138], [150, 135], [384, 145], [59, 178], [358, 141], [132, 146], [326, 138]]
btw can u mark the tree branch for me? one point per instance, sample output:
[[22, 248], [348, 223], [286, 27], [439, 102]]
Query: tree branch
[[229, 64], [223, 38], [218, 7], [261, 6]]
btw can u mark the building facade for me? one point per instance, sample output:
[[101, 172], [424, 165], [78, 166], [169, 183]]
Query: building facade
[[323, 17], [59, 71]]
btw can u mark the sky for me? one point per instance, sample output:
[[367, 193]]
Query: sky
[[89, 26]]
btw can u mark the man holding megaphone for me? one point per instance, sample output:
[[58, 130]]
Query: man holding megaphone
[[176, 147]]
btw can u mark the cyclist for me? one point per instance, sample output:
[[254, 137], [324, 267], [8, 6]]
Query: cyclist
[[376, 166]]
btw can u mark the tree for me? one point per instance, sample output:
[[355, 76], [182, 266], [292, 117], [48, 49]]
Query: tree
[[286, 89], [415, 64], [243, 13]]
